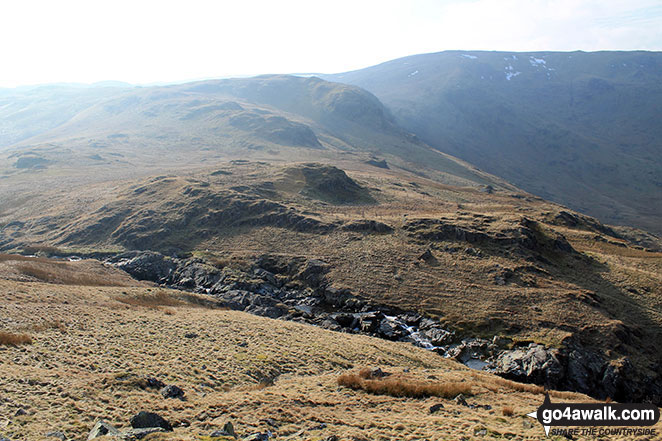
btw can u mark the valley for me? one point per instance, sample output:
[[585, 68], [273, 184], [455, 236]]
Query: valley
[[266, 244]]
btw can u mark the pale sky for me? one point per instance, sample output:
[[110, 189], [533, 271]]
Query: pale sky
[[145, 41]]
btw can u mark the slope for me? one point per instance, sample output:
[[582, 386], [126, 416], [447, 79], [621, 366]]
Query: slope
[[103, 353], [576, 128]]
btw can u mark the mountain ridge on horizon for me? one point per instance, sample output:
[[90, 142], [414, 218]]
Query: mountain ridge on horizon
[[578, 128]]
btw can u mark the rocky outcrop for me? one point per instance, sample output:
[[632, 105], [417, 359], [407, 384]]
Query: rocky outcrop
[[526, 236], [577, 368]]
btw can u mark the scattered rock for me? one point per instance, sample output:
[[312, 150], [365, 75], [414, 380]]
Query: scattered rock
[[427, 257], [191, 335], [390, 329], [135, 434], [258, 437], [102, 428], [438, 336], [154, 383], [460, 400], [172, 391], [143, 420], [228, 430], [378, 373], [58, 435], [436, 407]]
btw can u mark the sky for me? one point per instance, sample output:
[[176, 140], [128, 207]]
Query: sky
[[145, 41]]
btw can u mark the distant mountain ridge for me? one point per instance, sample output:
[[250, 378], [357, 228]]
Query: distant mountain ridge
[[577, 128]]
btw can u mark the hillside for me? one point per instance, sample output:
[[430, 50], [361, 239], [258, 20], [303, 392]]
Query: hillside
[[577, 128], [372, 239], [139, 131], [106, 353], [258, 242]]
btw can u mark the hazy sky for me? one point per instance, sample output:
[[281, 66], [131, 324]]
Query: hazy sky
[[144, 41]]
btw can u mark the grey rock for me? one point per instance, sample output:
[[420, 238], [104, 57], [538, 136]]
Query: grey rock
[[102, 428], [461, 400], [313, 272], [436, 407], [533, 364], [135, 434], [378, 373], [267, 276], [154, 383], [172, 391], [369, 322], [147, 265], [438, 336], [345, 320], [143, 420], [337, 297], [258, 437], [427, 257], [389, 329], [59, 435]]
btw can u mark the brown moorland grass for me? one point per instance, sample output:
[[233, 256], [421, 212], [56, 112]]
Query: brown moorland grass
[[150, 300], [9, 339], [400, 386], [110, 348], [161, 299], [55, 274]]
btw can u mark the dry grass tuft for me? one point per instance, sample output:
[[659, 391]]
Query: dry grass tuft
[[61, 273], [508, 411], [9, 339], [519, 387], [403, 387], [50, 324]]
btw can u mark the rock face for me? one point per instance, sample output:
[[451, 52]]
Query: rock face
[[532, 364], [579, 369]]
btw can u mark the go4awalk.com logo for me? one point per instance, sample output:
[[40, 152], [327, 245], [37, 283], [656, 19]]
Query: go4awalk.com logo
[[629, 419]]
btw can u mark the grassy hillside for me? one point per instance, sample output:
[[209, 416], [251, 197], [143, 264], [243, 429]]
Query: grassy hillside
[[576, 128], [138, 131], [91, 353], [484, 262]]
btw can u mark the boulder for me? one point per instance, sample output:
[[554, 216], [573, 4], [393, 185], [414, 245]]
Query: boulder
[[370, 321], [172, 391], [258, 437], [390, 329], [227, 431], [102, 428], [345, 320], [436, 407], [438, 336], [532, 364], [135, 434], [144, 420], [470, 349], [147, 265]]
